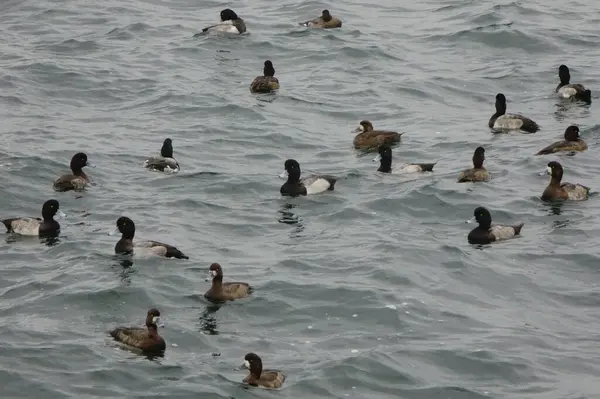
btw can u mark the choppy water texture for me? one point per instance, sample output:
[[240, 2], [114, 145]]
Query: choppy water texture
[[369, 291]]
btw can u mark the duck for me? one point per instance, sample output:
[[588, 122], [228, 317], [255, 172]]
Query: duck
[[503, 121], [220, 291], [230, 23], [571, 91], [266, 83], [325, 21], [572, 142], [485, 233], [258, 377], [477, 172], [368, 138], [46, 226], [78, 180], [294, 186], [126, 245], [385, 163], [564, 191], [165, 162], [146, 339]]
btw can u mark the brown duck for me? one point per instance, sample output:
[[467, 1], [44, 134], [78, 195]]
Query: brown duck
[[266, 83], [220, 291], [572, 142], [146, 339], [368, 138], [477, 172], [78, 180], [564, 191], [325, 21], [259, 377]]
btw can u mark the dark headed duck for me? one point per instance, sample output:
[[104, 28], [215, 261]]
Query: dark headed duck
[[261, 378], [146, 339], [126, 245], [78, 180], [368, 138], [564, 191], [503, 121], [485, 233], [385, 163], [266, 83], [572, 142], [477, 172], [294, 186], [165, 162], [220, 291], [325, 21], [571, 91], [36, 226]]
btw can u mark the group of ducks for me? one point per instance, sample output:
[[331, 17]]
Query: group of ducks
[[368, 139]]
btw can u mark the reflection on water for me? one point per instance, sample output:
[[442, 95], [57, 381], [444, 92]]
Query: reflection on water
[[208, 321], [51, 241], [554, 207], [289, 217]]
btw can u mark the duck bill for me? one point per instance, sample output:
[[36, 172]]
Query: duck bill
[[113, 232], [470, 220], [61, 214], [377, 158], [357, 130], [283, 174], [547, 171], [90, 165]]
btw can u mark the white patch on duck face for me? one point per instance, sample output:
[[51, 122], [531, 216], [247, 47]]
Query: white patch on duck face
[[26, 226], [408, 168], [213, 273], [508, 122], [502, 232], [283, 174], [549, 170], [316, 185], [567, 92], [377, 158], [246, 364], [156, 319]]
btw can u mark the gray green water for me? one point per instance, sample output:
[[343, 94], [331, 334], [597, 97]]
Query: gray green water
[[369, 291]]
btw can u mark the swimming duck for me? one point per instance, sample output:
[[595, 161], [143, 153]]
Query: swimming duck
[[230, 23], [295, 186], [485, 233], [325, 21], [572, 142], [369, 138], [220, 291], [126, 245], [165, 162], [564, 191], [503, 121], [78, 180], [477, 172], [572, 91], [36, 226], [267, 82], [385, 163], [146, 339], [259, 377]]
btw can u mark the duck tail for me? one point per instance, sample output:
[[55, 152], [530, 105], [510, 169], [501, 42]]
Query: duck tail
[[587, 96], [518, 228]]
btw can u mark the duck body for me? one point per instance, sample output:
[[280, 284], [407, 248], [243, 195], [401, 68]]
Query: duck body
[[571, 143], [368, 138], [503, 121], [165, 161], [295, 186], [126, 245], [270, 379], [220, 291], [266, 83], [78, 180], [146, 339], [385, 163], [325, 21], [487, 233], [572, 91], [565, 191], [29, 226], [477, 173]]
